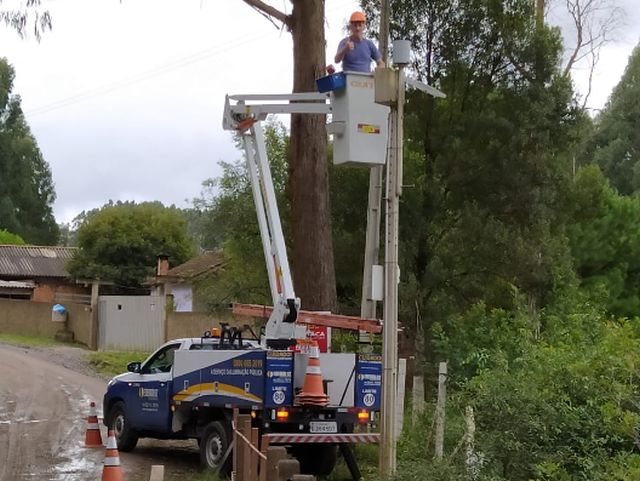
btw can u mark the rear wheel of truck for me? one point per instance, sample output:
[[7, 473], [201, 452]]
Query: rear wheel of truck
[[316, 459], [126, 438], [214, 444]]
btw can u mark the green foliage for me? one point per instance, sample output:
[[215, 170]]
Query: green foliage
[[615, 145], [488, 166], [26, 188], [225, 216], [482, 339], [348, 193], [7, 237], [605, 242], [563, 411], [120, 242]]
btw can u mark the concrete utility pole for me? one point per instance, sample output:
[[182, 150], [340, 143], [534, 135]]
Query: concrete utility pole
[[392, 82], [390, 85]]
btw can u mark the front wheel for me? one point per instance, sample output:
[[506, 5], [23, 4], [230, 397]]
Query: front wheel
[[214, 448], [126, 437]]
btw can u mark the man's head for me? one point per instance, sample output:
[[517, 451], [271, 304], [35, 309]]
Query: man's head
[[357, 22]]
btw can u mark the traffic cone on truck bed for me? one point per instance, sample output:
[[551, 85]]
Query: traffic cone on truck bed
[[92, 437], [111, 470], [312, 393]]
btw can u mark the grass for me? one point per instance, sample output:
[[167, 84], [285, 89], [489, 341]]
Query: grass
[[111, 363], [206, 476], [19, 340], [367, 458]]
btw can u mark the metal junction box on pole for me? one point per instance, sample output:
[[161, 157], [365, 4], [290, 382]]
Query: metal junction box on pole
[[359, 125]]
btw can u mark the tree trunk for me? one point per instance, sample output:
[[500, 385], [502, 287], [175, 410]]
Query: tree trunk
[[312, 256], [313, 265]]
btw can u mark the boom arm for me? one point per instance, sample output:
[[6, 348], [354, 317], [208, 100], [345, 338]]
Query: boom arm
[[245, 119]]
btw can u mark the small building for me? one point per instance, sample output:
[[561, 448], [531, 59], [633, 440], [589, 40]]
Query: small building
[[38, 273], [179, 282]]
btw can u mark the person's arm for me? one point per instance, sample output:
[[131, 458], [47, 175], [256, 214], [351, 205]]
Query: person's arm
[[345, 45], [375, 55]]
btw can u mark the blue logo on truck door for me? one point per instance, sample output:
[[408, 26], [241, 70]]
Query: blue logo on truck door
[[279, 379], [368, 381], [236, 378]]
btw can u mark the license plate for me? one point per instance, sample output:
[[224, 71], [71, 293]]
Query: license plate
[[320, 427]]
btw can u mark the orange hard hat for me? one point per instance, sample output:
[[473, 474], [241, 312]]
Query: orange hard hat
[[357, 17]]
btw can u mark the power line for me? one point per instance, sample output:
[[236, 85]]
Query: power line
[[141, 77], [149, 74]]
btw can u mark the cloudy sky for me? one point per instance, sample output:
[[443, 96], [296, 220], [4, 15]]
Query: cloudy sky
[[125, 97]]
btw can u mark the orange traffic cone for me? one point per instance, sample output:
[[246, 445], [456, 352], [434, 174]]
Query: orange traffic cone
[[92, 437], [111, 470], [312, 393]]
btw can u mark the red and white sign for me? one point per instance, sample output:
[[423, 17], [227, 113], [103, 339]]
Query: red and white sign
[[321, 335]]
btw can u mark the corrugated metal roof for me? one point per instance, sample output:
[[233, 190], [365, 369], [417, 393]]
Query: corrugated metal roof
[[17, 284], [34, 261], [209, 260]]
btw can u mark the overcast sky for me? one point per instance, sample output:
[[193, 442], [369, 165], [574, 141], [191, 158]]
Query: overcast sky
[[125, 97]]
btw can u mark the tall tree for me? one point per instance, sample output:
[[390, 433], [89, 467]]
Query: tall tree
[[615, 145], [26, 188], [312, 259], [490, 163], [120, 242], [605, 242]]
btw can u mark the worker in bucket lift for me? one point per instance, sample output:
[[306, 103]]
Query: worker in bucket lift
[[356, 52]]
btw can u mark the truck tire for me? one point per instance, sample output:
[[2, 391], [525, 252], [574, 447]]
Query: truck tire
[[214, 444], [126, 438], [316, 459]]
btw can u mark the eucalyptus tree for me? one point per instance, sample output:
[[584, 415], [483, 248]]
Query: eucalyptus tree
[[26, 188], [28, 17], [615, 144], [312, 248]]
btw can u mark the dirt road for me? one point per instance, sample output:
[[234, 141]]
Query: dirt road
[[43, 410]]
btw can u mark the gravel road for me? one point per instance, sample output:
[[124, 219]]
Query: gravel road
[[44, 401]]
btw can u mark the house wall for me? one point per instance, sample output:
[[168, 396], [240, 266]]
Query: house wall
[[29, 318], [182, 297], [194, 324], [45, 291]]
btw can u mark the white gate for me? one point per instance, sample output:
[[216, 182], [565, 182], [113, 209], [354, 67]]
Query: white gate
[[130, 323]]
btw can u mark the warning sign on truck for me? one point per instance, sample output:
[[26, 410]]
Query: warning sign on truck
[[368, 381], [279, 379]]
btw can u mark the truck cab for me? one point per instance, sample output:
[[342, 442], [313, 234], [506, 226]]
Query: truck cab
[[138, 403]]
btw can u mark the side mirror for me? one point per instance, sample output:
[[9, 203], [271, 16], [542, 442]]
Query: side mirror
[[133, 366]]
